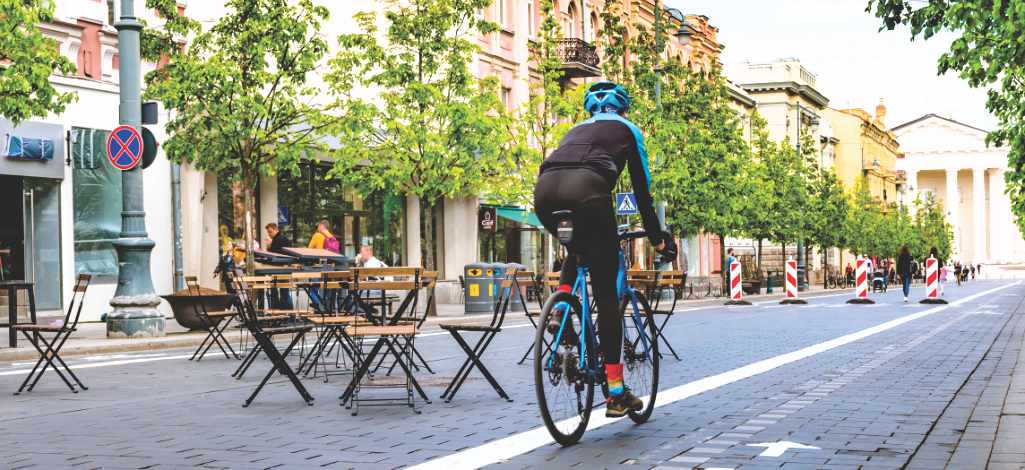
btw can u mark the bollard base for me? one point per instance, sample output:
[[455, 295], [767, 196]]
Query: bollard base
[[933, 301], [858, 300], [737, 302], [795, 301]]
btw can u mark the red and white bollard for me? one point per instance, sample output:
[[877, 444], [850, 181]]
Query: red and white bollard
[[736, 286], [932, 282], [790, 277], [861, 284]]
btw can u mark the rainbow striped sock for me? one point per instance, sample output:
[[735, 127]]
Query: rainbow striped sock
[[614, 375]]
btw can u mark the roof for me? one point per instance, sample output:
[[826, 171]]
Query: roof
[[933, 115]]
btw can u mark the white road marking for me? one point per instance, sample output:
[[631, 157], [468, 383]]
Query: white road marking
[[517, 444], [776, 449]]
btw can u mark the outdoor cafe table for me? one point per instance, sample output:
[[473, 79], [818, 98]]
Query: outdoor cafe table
[[12, 306], [317, 256]]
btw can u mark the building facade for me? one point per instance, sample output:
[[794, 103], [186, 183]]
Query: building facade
[[866, 150], [950, 160]]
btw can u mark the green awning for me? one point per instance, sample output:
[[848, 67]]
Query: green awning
[[519, 215]]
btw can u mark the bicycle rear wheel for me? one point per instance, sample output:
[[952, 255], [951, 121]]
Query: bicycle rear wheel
[[640, 355], [565, 392]]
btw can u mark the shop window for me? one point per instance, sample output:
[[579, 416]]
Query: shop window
[[96, 197]]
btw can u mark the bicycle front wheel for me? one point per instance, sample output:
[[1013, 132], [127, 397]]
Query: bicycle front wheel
[[565, 390], [640, 355]]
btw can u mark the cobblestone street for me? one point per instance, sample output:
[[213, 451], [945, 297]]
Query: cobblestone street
[[826, 385]]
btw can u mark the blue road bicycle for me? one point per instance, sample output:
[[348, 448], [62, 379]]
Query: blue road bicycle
[[568, 362]]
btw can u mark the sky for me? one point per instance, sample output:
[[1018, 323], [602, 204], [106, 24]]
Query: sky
[[855, 63]]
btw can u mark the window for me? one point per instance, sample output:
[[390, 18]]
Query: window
[[503, 14], [571, 24], [111, 11], [530, 19], [507, 97], [96, 197]]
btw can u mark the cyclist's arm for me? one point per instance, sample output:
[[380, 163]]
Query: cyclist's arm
[[637, 164]]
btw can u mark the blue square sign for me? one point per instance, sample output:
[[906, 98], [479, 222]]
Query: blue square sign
[[626, 204]]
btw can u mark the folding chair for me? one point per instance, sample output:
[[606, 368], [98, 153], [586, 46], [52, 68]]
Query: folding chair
[[329, 323], [428, 280], [390, 333], [258, 287], [488, 333], [265, 341], [653, 284], [215, 323], [551, 281], [49, 351]]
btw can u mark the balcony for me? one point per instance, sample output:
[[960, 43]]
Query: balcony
[[579, 58]]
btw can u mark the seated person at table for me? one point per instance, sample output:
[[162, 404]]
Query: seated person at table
[[276, 240], [366, 258]]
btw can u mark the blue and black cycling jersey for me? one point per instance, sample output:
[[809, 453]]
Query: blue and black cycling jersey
[[608, 143]]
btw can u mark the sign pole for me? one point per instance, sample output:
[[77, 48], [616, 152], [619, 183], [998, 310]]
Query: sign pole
[[135, 303]]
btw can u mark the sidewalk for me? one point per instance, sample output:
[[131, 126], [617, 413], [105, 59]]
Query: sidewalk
[[91, 337]]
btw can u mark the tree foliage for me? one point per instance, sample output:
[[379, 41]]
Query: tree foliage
[[987, 51], [535, 129], [432, 129], [29, 58], [932, 227], [241, 93]]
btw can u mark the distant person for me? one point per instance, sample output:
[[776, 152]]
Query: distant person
[[944, 273], [904, 270], [276, 241], [972, 269], [323, 239], [957, 271], [729, 261], [366, 258], [978, 269]]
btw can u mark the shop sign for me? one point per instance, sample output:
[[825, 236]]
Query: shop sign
[[487, 218]]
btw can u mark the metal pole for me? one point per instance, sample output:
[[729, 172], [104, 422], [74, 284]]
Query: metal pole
[[135, 313], [802, 282], [176, 208], [658, 55]]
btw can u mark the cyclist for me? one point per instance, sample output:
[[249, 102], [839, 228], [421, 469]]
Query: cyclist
[[580, 176]]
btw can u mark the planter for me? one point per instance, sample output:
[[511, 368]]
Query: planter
[[184, 306]]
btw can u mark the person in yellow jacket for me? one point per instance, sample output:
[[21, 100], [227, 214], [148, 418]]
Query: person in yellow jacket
[[323, 239]]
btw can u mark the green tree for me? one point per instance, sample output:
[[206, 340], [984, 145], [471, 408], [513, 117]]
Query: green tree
[[986, 52], [433, 130], [863, 220], [535, 129], [827, 212], [243, 90], [931, 224], [29, 58]]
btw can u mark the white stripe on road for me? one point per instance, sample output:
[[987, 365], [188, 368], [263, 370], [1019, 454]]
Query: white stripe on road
[[506, 448]]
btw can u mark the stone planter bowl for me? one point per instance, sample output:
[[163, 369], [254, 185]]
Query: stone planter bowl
[[184, 306]]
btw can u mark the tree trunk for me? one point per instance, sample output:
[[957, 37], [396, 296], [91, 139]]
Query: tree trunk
[[759, 255], [248, 201], [723, 267], [428, 239]]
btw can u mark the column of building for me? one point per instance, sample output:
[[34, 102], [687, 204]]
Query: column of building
[[951, 204], [979, 215]]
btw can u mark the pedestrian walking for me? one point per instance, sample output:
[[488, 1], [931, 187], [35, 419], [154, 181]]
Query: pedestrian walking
[[978, 269], [904, 270], [957, 272], [972, 268]]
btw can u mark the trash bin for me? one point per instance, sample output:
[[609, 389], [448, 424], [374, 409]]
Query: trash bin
[[477, 278], [515, 305]]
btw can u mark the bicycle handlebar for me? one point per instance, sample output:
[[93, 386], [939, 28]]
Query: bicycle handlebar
[[632, 235]]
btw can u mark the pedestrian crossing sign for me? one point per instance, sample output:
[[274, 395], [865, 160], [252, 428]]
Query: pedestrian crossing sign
[[626, 204]]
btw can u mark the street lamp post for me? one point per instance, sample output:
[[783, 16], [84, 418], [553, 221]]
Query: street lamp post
[[134, 302], [802, 283]]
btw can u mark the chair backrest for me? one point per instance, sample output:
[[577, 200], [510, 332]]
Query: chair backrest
[[524, 281], [77, 297], [245, 288], [503, 295], [192, 284], [428, 280], [389, 279], [552, 280], [643, 278]]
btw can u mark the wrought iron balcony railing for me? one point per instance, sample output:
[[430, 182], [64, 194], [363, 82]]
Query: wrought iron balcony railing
[[577, 53]]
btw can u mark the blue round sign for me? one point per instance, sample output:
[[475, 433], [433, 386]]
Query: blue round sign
[[124, 147]]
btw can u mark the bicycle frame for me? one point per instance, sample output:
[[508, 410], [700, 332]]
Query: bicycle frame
[[587, 332]]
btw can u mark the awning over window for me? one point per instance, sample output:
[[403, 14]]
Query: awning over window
[[519, 215]]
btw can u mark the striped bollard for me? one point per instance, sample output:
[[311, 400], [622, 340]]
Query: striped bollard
[[932, 282], [736, 286], [790, 276], [861, 284]]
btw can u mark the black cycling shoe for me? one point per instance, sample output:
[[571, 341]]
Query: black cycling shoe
[[619, 405]]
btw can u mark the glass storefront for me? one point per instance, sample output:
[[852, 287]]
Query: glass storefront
[[518, 239], [308, 196]]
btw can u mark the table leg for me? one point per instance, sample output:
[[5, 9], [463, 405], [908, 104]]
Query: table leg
[[12, 317], [32, 303]]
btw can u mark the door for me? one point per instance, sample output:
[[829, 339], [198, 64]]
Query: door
[[41, 207]]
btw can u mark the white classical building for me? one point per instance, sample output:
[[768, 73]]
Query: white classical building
[[951, 160]]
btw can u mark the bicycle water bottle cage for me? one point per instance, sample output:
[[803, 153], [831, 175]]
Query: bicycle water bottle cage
[[564, 227]]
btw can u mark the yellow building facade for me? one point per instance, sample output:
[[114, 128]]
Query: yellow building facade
[[865, 148]]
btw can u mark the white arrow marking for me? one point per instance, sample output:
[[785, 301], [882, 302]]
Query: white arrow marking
[[776, 449]]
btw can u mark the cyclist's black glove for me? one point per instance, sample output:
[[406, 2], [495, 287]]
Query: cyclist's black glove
[[669, 251]]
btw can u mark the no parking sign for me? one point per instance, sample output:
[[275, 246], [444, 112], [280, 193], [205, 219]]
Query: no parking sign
[[124, 147]]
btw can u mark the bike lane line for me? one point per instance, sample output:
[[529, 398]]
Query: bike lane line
[[521, 443]]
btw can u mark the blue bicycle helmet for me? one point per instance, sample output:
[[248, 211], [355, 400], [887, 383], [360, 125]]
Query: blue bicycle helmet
[[606, 97]]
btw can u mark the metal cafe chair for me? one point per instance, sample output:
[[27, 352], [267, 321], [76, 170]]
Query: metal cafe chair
[[215, 323], [49, 351], [551, 281], [264, 337], [257, 288], [654, 284], [387, 336], [330, 324], [506, 289], [428, 281]]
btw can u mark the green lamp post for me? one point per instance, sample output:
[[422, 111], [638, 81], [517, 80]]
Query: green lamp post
[[135, 303]]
